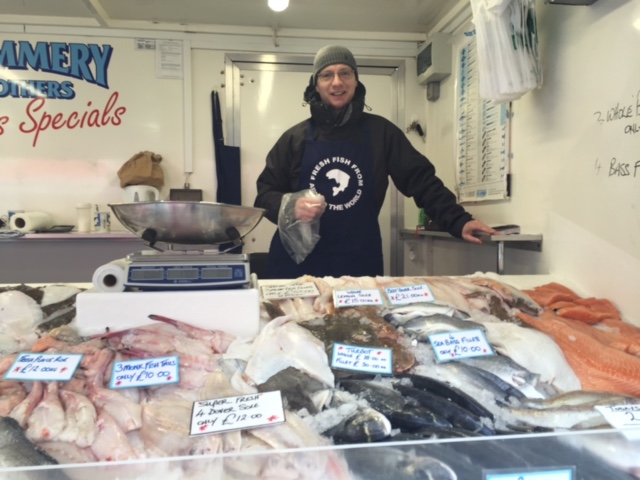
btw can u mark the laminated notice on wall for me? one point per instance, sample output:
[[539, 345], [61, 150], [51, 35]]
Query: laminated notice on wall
[[169, 59], [482, 139]]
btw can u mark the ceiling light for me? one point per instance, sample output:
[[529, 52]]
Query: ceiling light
[[278, 5]]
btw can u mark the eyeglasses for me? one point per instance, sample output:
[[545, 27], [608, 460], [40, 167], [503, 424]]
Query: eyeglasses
[[344, 75]]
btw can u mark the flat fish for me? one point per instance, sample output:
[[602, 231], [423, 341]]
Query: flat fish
[[36, 293], [19, 315], [297, 389], [364, 331], [283, 343]]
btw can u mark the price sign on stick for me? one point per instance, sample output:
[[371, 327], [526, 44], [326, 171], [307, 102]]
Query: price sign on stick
[[409, 294], [236, 413], [289, 290], [624, 417], [460, 344], [144, 373], [362, 359], [44, 367], [352, 298]]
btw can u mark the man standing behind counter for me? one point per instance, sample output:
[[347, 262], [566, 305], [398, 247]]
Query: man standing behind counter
[[334, 168]]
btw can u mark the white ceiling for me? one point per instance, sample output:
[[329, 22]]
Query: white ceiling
[[411, 18]]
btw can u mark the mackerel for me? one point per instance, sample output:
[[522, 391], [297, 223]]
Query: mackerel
[[400, 412], [447, 392], [458, 416]]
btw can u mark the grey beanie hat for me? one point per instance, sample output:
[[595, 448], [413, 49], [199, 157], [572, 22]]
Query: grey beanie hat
[[331, 55]]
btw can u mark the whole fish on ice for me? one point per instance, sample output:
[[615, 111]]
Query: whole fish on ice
[[17, 451]]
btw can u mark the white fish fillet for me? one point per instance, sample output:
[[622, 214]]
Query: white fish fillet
[[283, 343]]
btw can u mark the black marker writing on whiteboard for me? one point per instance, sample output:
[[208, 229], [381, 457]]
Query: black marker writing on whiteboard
[[621, 111]]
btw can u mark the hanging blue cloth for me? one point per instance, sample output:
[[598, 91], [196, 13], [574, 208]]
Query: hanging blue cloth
[[227, 167], [227, 160]]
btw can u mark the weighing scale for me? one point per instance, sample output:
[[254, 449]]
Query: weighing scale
[[185, 227], [152, 270], [188, 280]]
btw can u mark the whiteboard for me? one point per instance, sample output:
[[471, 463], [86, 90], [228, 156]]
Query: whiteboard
[[584, 125]]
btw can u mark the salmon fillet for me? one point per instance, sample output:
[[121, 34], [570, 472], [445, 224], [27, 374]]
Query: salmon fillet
[[618, 326], [557, 287], [546, 298], [608, 338], [581, 313], [599, 367], [601, 305]]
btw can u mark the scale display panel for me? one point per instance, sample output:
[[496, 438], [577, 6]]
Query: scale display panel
[[149, 272]]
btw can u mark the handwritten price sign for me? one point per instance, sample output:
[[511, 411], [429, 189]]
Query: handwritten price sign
[[236, 413], [624, 417], [362, 359], [144, 373], [350, 298], [289, 290], [409, 294], [460, 344], [44, 366]]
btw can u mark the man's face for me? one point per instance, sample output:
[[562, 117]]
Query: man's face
[[336, 85]]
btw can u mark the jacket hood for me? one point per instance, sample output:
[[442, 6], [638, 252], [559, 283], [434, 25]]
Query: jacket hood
[[323, 114]]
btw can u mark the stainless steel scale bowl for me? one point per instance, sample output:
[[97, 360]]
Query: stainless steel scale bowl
[[187, 223]]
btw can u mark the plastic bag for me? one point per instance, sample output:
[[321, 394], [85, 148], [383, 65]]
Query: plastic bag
[[142, 169], [507, 41], [299, 237]]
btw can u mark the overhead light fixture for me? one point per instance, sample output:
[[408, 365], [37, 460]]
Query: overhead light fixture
[[278, 5]]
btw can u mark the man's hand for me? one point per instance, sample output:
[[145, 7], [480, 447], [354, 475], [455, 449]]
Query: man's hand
[[307, 209], [473, 228]]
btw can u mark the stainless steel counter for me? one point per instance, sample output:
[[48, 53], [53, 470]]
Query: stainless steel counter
[[62, 257], [124, 235], [520, 241]]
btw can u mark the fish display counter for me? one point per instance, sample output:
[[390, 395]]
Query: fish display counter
[[347, 378], [584, 455]]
